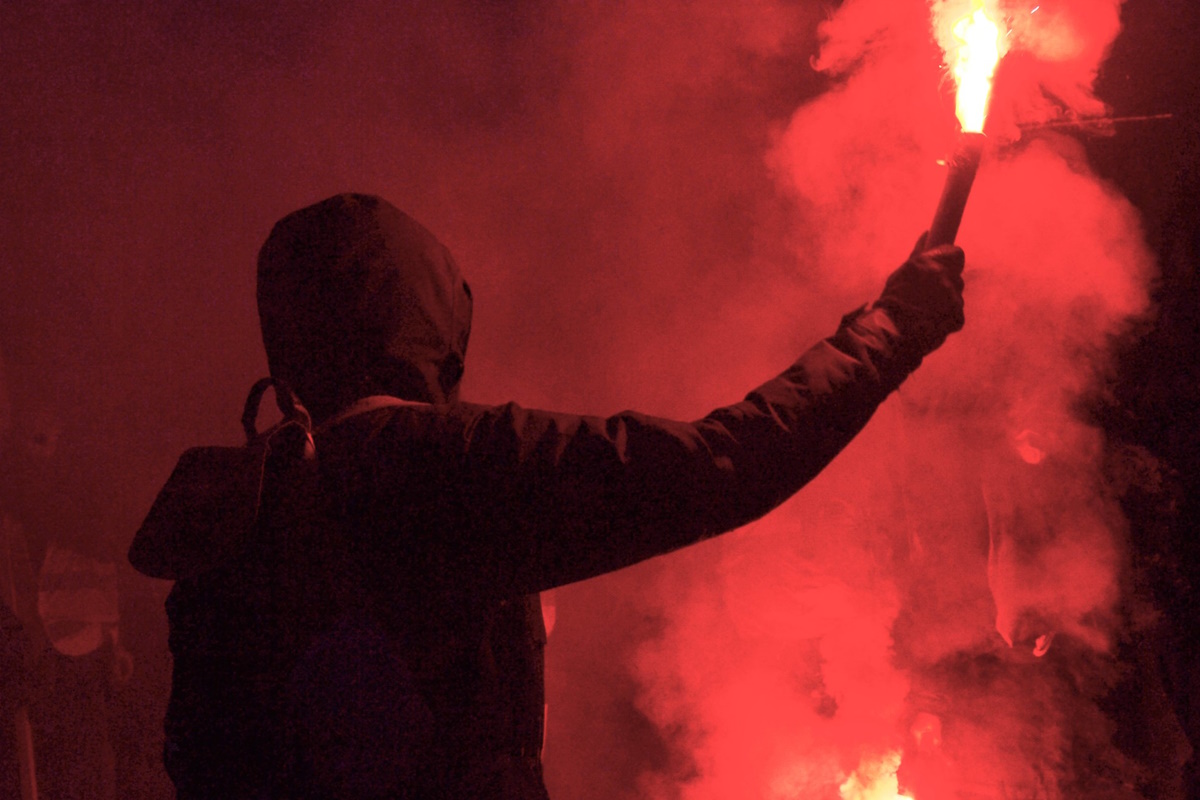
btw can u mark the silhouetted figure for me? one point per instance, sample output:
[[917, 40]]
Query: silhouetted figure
[[364, 623], [63, 592]]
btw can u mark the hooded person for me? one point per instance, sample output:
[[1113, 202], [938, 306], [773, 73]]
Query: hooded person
[[357, 298], [405, 660]]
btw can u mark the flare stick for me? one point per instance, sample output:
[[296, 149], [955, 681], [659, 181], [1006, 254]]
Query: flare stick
[[962, 168]]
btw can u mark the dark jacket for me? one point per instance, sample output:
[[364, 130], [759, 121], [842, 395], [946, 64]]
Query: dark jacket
[[439, 521]]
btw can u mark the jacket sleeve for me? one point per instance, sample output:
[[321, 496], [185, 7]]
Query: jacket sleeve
[[570, 497]]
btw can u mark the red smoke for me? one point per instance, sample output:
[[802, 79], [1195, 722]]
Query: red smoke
[[933, 571], [656, 210]]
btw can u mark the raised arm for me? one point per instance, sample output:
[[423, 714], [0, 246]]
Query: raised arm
[[571, 497]]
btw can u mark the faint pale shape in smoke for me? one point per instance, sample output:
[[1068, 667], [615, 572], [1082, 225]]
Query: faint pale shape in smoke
[[926, 730], [1041, 645], [875, 779], [1029, 453], [1053, 558]]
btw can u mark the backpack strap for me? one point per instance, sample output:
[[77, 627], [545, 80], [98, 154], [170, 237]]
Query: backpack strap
[[295, 413], [288, 403]]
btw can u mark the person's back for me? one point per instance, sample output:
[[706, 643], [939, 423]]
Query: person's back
[[405, 654]]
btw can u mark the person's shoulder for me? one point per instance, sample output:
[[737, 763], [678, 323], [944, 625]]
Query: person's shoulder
[[419, 420], [466, 425]]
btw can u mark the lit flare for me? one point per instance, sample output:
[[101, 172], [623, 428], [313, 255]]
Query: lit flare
[[973, 43]]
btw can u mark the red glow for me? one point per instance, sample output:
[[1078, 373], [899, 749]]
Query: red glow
[[598, 170], [983, 554]]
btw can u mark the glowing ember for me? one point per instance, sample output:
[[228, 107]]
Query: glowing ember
[[978, 44]]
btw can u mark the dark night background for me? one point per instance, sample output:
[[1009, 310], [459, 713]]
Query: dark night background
[[595, 172]]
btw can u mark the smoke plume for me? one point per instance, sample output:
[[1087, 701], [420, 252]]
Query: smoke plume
[[948, 591], [658, 206]]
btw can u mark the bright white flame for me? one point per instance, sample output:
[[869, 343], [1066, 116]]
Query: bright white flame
[[973, 51], [974, 67], [874, 780]]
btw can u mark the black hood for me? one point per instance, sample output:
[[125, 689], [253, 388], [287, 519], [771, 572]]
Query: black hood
[[357, 298]]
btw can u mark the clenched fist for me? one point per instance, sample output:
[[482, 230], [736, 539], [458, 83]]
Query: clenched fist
[[924, 296]]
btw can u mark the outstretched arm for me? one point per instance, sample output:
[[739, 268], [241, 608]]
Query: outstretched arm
[[571, 497]]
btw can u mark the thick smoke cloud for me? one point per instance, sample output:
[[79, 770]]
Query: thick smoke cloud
[[657, 205], [970, 528]]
